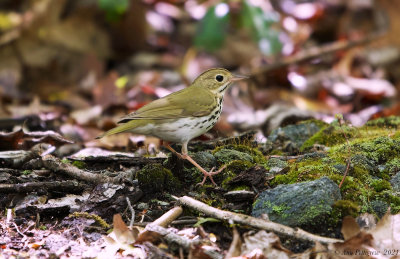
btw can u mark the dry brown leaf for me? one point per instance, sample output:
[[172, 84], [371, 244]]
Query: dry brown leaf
[[122, 232], [350, 227], [25, 140], [387, 232], [380, 242], [263, 245]]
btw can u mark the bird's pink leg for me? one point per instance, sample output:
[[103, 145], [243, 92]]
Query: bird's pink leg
[[184, 155]]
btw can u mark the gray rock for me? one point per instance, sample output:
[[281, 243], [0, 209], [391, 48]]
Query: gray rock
[[379, 207], [300, 204], [205, 159], [292, 137], [277, 166], [395, 182], [225, 156]]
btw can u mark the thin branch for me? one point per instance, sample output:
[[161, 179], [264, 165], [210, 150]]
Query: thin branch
[[168, 217], [132, 212], [55, 164], [317, 52], [171, 237], [254, 222]]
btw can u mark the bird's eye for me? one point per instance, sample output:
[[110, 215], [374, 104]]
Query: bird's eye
[[219, 78]]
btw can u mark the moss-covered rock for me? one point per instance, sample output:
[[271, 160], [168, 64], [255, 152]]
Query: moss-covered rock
[[301, 204], [379, 207], [392, 166], [254, 152], [331, 135], [378, 150], [275, 165], [154, 178], [225, 156], [204, 158], [304, 171], [391, 121]]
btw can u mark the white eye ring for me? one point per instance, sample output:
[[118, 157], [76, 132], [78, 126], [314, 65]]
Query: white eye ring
[[219, 78]]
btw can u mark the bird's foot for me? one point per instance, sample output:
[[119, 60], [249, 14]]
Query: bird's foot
[[206, 174], [210, 175]]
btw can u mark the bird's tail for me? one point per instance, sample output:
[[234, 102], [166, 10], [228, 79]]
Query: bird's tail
[[128, 126]]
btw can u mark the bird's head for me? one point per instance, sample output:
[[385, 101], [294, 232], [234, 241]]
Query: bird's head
[[217, 80]]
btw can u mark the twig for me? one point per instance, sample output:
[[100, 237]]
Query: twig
[[171, 237], [175, 222], [168, 217], [254, 222], [132, 212], [48, 186], [317, 52], [158, 226], [55, 164], [16, 227]]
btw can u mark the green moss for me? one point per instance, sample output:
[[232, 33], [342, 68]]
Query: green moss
[[360, 172], [394, 203], [225, 156], [275, 162], [374, 153], [381, 185], [79, 164], [42, 227], [379, 150], [238, 166], [155, 178], [254, 152], [66, 161], [93, 216], [234, 168], [26, 172], [342, 208], [319, 123], [391, 121], [241, 188], [276, 210], [393, 166], [314, 212], [304, 171], [330, 135]]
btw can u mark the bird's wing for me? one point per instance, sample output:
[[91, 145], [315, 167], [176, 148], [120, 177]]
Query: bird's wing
[[198, 102]]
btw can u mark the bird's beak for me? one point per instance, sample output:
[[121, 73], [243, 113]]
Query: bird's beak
[[238, 78]]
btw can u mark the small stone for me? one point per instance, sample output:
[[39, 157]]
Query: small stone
[[366, 221], [205, 159], [277, 166], [379, 207], [292, 137], [142, 206]]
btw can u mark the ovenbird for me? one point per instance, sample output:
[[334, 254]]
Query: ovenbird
[[182, 115]]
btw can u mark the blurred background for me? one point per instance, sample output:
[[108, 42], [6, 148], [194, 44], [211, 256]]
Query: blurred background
[[75, 67]]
